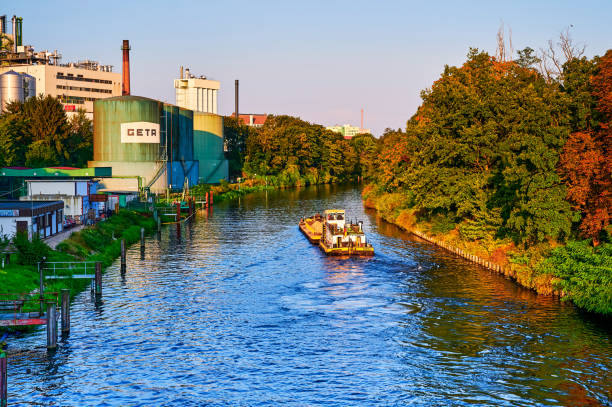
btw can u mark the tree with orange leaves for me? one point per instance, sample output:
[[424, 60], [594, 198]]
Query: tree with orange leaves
[[586, 160]]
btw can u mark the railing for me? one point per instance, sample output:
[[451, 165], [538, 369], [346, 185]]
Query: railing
[[68, 269]]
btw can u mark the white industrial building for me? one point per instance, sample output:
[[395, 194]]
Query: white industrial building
[[77, 85], [198, 94], [74, 193]]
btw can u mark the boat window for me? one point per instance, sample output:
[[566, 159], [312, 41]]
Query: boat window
[[330, 216], [340, 217]]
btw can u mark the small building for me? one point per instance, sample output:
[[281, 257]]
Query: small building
[[348, 131], [74, 193], [32, 217], [252, 119]]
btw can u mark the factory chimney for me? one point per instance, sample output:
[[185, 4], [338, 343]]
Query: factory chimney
[[362, 118], [181, 77], [14, 21], [3, 24], [237, 115], [126, 67]]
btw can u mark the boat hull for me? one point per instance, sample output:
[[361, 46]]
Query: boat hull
[[347, 251]]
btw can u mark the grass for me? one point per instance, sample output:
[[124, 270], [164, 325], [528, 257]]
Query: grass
[[101, 242]]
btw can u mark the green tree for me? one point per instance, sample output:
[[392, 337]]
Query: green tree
[[80, 140]]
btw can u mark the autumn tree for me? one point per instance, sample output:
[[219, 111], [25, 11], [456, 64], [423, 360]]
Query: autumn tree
[[586, 161]]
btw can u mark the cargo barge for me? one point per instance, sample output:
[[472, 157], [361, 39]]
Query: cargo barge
[[335, 236]]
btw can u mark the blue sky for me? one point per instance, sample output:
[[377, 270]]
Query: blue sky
[[319, 60]]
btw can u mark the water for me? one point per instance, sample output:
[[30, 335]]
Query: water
[[240, 309]]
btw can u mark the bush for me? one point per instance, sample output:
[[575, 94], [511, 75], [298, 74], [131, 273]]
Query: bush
[[585, 274], [30, 252]]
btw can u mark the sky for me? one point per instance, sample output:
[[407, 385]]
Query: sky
[[322, 61]]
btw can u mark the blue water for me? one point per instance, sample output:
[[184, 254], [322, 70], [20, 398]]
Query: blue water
[[239, 309]]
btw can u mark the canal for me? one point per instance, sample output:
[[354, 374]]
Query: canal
[[239, 309]]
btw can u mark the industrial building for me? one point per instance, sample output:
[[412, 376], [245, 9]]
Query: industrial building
[[348, 131], [77, 85], [196, 93], [75, 194], [155, 146], [44, 218]]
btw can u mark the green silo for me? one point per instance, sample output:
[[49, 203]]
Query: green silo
[[208, 147]]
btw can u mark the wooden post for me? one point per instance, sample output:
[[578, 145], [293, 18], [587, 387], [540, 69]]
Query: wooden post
[[123, 256], [207, 201], [3, 379], [41, 287], [98, 278], [51, 325], [7, 260], [158, 224], [211, 198], [65, 310], [178, 211]]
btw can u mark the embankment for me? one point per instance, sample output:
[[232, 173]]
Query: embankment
[[100, 243], [574, 271]]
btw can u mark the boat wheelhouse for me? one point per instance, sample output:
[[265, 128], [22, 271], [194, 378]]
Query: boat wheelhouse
[[341, 238]]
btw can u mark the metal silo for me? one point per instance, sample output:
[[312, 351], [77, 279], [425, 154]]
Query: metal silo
[[29, 86], [110, 114], [11, 88], [172, 133], [185, 135], [208, 147]]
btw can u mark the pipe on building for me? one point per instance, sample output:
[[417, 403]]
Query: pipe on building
[[126, 67]]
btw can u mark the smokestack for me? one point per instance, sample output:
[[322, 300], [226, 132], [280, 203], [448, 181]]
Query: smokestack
[[237, 115], [3, 24], [361, 118], [181, 77], [14, 21], [126, 67]]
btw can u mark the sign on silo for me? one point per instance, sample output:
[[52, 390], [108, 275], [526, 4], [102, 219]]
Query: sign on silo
[[140, 132]]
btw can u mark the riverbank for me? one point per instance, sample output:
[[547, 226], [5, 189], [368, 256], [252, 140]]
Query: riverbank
[[101, 242], [575, 271]]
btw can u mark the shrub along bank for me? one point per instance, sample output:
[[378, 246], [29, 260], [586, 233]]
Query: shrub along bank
[[101, 242], [576, 270]]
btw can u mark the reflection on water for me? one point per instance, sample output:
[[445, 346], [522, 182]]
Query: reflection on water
[[238, 308]]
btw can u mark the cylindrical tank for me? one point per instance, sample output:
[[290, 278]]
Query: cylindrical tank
[[172, 131], [109, 114], [185, 151], [207, 136], [11, 88], [29, 86]]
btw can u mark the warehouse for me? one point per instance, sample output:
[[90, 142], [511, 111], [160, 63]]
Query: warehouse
[[31, 217]]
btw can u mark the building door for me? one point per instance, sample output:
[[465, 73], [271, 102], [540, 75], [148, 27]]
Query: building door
[[22, 226]]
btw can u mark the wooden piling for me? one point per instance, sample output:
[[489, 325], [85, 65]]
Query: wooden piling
[[7, 259], [65, 310], [123, 266], [211, 198], [207, 201], [98, 278], [51, 325], [3, 379], [41, 286]]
